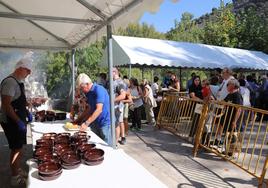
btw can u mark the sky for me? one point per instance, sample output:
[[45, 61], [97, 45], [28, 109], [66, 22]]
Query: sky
[[164, 19]]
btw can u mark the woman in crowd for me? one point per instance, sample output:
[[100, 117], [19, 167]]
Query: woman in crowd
[[174, 83], [136, 108], [149, 103], [195, 92]]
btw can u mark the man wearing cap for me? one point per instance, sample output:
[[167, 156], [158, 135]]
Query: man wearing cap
[[97, 115], [14, 115]]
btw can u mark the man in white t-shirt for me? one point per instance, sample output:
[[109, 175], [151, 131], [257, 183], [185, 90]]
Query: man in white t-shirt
[[155, 86], [226, 75]]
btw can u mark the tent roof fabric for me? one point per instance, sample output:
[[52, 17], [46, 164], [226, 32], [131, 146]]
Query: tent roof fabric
[[154, 52], [65, 24]]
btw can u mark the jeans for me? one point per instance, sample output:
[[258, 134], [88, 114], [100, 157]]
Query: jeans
[[103, 132]]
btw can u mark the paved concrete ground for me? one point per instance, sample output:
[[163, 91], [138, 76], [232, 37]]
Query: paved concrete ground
[[167, 157]]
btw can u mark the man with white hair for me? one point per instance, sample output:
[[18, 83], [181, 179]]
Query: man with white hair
[[97, 115], [223, 92], [14, 115]]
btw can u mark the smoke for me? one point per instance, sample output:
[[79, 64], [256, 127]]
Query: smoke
[[35, 83]]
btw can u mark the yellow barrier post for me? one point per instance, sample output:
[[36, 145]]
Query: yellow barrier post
[[265, 167], [200, 128]]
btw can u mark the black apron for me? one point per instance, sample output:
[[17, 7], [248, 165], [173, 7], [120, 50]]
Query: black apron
[[19, 105]]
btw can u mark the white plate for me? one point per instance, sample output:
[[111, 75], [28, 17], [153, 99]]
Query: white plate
[[74, 129]]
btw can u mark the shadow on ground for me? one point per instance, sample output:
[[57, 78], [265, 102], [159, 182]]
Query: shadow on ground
[[4, 161], [178, 154]]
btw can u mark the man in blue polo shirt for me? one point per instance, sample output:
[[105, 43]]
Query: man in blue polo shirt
[[97, 115]]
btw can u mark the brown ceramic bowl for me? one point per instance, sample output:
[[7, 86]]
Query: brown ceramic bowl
[[70, 158], [48, 112], [81, 149], [70, 166], [64, 139], [50, 117], [49, 168], [83, 133], [60, 116], [49, 177], [43, 146], [62, 150], [48, 158], [93, 154], [50, 134], [64, 134], [41, 151], [41, 141], [94, 162]]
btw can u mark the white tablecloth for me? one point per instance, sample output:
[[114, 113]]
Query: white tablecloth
[[117, 170]]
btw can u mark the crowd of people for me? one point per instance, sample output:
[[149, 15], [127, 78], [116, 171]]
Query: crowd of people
[[130, 98], [91, 107]]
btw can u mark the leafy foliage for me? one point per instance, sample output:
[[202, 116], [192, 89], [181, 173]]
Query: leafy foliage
[[186, 30], [252, 30], [144, 30], [221, 31]]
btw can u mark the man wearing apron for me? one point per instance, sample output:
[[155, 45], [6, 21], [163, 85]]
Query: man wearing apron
[[14, 115]]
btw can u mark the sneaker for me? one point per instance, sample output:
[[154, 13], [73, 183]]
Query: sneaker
[[217, 142], [23, 173], [123, 141], [138, 129], [132, 128], [17, 180]]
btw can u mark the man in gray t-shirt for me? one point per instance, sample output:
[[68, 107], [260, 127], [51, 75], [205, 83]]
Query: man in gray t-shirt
[[120, 94], [14, 113], [11, 88]]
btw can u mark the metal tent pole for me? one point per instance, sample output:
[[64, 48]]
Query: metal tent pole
[[73, 74], [129, 74], [111, 91]]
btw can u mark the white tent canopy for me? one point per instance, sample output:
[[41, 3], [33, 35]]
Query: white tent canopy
[[153, 52], [65, 24]]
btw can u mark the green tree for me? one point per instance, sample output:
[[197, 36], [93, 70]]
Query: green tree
[[58, 75], [252, 30], [87, 59], [140, 30], [186, 30], [220, 31]]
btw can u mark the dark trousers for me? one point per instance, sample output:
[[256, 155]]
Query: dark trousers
[[136, 117]]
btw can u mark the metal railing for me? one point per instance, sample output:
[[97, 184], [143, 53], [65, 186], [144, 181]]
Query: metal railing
[[179, 114], [233, 132]]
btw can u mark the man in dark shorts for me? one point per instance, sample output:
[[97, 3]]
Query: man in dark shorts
[[14, 115]]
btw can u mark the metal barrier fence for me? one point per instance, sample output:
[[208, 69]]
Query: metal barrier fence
[[233, 132], [177, 113]]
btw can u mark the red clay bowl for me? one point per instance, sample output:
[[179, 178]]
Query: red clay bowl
[[44, 142], [48, 158], [94, 162], [64, 134], [93, 154], [41, 151], [50, 134], [81, 149], [70, 158], [83, 133], [49, 168], [63, 150], [49, 177]]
